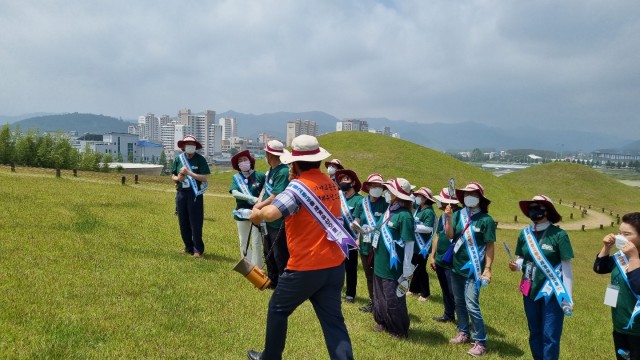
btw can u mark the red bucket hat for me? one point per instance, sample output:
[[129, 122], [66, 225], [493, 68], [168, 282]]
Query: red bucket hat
[[350, 173], [473, 186], [426, 192], [236, 157]]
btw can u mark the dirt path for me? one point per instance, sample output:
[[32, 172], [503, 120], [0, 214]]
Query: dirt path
[[592, 220]]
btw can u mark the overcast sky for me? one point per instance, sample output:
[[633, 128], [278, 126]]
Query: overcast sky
[[556, 64]]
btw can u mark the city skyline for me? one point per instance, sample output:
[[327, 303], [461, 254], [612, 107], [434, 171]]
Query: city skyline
[[548, 65]]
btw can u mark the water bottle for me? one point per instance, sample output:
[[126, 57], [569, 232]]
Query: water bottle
[[625, 354], [484, 281], [566, 308], [242, 213]]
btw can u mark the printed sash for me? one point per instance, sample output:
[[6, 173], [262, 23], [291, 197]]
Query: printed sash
[[389, 243], [553, 284], [475, 255], [424, 246], [623, 262], [346, 213], [268, 188], [239, 180], [368, 215], [335, 231], [192, 181]]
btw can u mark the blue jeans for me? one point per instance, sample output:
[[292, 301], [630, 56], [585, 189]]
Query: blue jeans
[[467, 299], [322, 288], [545, 327]]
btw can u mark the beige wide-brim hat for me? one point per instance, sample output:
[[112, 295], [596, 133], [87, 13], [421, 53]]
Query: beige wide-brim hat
[[425, 192], [399, 187], [335, 163], [372, 179], [552, 213], [304, 148], [444, 197], [276, 148]]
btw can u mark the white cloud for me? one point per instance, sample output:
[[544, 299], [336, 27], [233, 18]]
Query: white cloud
[[557, 65]]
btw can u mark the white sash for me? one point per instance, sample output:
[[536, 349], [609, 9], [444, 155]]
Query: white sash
[[192, 181], [335, 231], [368, 215], [475, 255], [623, 263], [553, 284], [268, 188], [346, 213], [424, 246], [239, 180], [389, 243]]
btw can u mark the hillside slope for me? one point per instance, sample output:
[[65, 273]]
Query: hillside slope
[[573, 182], [366, 153]]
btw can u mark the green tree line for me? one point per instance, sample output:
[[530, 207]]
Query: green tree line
[[47, 151]]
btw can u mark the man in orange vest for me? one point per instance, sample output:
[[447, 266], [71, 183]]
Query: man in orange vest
[[317, 243]]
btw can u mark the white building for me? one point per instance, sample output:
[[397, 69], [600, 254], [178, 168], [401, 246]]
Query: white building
[[299, 127], [352, 125], [229, 127]]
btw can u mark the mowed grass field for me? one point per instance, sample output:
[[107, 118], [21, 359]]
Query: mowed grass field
[[89, 269]]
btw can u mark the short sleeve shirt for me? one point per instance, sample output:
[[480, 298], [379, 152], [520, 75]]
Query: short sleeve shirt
[[428, 218], [378, 209], [484, 230], [254, 183], [402, 228], [555, 246], [278, 179], [198, 165]]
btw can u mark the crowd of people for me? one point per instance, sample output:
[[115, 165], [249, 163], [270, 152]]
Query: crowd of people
[[311, 228]]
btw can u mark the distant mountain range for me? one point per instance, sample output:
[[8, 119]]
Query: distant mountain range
[[438, 136]]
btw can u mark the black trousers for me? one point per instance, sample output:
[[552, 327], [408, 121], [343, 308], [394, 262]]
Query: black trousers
[[190, 218], [351, 270], [389, 310], [444, 278], [368, 273], [420, 279], [322, 288], [627, 342], [276, 253]]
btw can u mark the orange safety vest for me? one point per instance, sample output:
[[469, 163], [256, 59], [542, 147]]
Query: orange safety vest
[[309, 248]]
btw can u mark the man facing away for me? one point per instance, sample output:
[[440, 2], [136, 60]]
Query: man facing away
[[315, 271]]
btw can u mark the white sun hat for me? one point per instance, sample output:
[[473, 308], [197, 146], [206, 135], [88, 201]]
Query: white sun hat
[[304, 148]]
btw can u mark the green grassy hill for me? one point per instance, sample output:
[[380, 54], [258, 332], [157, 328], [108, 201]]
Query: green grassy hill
[[366, 153], [573, 182], [89, 269]]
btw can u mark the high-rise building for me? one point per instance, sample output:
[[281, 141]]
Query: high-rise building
[[299, 127], [352, 125], [229, 128]]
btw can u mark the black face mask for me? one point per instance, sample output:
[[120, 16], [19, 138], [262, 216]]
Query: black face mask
[[345, 186], [536, 214]]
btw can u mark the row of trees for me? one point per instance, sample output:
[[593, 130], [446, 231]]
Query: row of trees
[[50, 151]]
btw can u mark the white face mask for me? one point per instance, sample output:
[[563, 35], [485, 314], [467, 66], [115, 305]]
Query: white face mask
[[471, 201], [621, 241], [438, 204], [245, 166], [189, 149], [387, 197], [331, 170], [375, 192], [418, 200]]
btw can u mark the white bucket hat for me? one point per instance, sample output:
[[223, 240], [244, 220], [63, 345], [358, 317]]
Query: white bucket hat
[[304, 148], [426, 192], [399, 187], [445, 198], [275, 147]]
